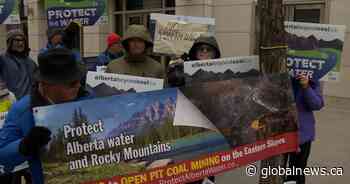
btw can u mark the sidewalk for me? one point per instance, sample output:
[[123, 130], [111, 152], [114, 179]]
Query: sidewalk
[[331, 148]]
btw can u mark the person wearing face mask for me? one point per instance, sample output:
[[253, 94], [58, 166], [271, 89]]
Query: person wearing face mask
[[57, 80], [55, 39], [16, 67], [205, 47], [59, 38]]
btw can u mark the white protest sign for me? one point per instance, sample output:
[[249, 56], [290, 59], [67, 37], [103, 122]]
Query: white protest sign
[[175, 35]]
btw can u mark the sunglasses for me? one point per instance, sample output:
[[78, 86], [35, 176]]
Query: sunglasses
[[18, 40], [205, 48]]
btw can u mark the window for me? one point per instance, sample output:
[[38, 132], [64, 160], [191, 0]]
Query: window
[[313, 13], [129, 12], [298, 11]]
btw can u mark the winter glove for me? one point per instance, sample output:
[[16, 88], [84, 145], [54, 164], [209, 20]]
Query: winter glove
[[175, 73], [37, 138]]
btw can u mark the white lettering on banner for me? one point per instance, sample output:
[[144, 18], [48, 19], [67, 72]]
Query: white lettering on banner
[[84, 129], [273, 143], [79, 164], [71, 13], [120, 140], [254, 149], [77, 148], [64, 22], [110, 158], [305, 63], [296, 72], [130, 153]]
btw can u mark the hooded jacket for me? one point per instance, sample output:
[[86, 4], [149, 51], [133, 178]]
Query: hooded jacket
[[16, 69], [143, 65], [175, 73], [206, 40]]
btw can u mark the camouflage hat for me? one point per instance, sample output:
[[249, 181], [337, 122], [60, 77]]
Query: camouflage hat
[[137, 31]]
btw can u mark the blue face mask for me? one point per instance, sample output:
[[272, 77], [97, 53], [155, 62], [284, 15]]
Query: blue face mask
[[60, 45]]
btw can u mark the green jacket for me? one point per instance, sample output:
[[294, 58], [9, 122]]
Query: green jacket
[[143, 65]]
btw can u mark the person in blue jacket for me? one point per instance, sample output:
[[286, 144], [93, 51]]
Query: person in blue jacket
[[113, 51], [57, 81], [56, 39], [308, 98]]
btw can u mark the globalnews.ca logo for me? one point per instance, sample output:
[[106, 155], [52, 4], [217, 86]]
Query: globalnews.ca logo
[[252, 170]]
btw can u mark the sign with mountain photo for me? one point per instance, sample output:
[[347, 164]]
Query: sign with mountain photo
[[108, 84], [170, 135], [315, 50], [175, 34], [221, 69]]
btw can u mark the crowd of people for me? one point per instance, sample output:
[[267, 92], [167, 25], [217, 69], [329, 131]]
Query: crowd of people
[[59, 75]]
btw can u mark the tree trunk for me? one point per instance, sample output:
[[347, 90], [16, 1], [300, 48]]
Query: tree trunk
[[272, 36], [272, 51]]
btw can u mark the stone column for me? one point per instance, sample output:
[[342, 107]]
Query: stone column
[[235, 20], [339, 14], [37, 26]]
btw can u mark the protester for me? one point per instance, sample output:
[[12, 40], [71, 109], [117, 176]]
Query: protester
[[55, 39], [114, 50], [137, 43], [205, 47], [16, 67], [57, 81], [60, 38], [308, 98]]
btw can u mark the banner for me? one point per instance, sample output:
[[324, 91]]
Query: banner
[[108, 84], [315, 50], [221, 69], [9, 12], [85, 12], [170, 135], [175, 35]]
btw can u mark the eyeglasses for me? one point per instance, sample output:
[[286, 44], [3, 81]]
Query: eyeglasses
[[18, 40], [205, 48]]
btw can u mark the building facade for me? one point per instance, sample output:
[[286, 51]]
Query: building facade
[[235, 25]]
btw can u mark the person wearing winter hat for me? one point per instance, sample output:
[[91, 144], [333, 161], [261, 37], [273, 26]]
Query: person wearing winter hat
[[205, 47], [136, 61], [57, 81], [55, 39], [16, 67], [114, 50]]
